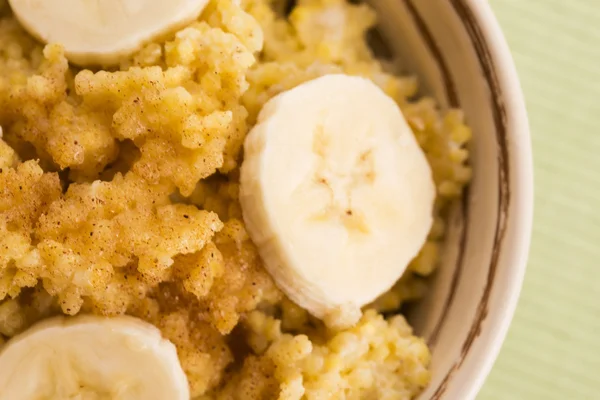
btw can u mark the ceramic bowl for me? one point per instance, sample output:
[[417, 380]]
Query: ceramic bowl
[[460, 54]]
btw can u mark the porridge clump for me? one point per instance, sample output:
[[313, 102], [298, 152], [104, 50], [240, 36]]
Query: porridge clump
[[119, 194]]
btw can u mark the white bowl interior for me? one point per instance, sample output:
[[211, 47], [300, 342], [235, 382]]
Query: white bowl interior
[[472, 296]]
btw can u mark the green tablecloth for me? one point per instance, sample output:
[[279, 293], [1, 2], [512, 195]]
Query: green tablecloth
[[553, 347]]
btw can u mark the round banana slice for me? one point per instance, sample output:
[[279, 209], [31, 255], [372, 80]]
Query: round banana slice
[[91, 357], [336, 193], [102, 32]]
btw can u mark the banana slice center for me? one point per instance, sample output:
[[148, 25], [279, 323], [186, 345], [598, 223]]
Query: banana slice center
[[340, 181]]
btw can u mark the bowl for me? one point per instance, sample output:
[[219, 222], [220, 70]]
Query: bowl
[[462, 59]]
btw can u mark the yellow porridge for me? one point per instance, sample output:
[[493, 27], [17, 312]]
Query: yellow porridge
[[120, 194]]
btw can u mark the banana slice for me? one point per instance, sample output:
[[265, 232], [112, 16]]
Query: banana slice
[[336, 193], [91, 358], [103, 31]]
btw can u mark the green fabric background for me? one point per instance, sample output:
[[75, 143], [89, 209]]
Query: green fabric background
[[553, 347]]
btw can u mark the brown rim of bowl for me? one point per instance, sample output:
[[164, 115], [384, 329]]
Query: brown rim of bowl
[[477, 39]]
